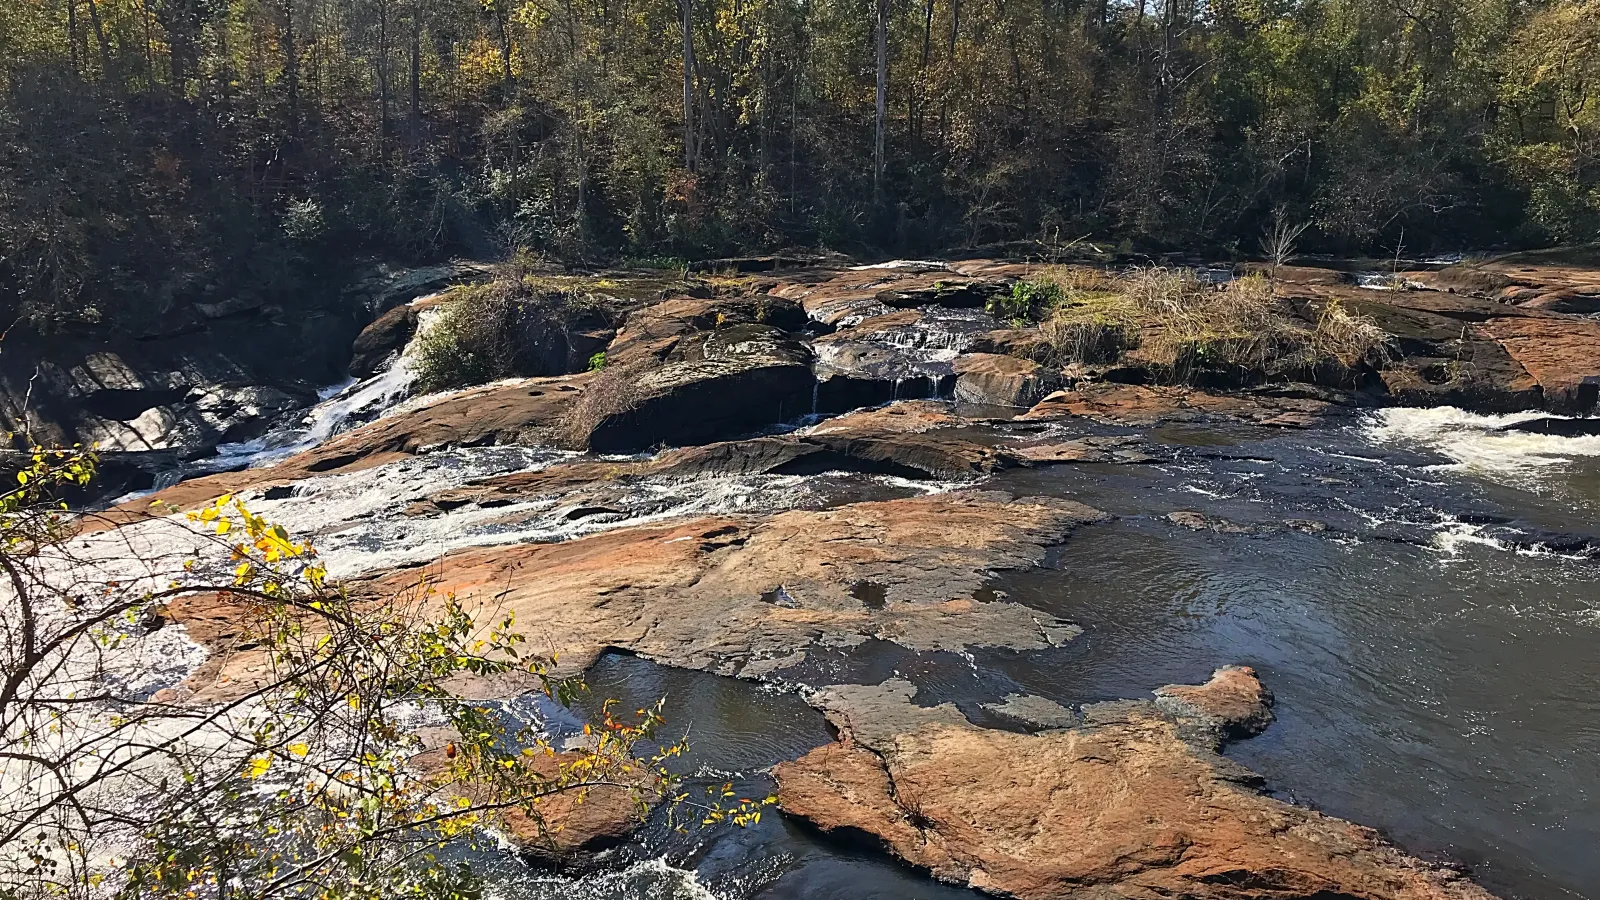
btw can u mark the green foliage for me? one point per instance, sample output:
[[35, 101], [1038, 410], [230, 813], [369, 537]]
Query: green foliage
[[597, 361], [1027, 300], [150, 160], [515, 325]]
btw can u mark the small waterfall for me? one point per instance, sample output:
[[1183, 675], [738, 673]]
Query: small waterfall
[[342, 406]]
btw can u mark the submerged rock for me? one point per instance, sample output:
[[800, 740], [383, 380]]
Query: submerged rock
[[1133, 804]]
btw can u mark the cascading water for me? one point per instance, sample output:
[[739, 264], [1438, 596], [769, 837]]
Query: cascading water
[[342, 406]]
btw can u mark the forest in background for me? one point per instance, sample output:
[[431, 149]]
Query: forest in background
[[163, 152]]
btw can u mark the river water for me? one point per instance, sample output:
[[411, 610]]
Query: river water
[[1433, 652], [1431, 638]]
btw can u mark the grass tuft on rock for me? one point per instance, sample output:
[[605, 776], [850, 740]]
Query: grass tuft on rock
[[1189, 329], [611, 392]]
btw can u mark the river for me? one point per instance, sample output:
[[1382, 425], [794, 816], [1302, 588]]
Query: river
[[1417, 586], [1432, 650]]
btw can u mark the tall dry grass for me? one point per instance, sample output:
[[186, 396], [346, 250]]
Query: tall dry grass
[[1188, 327]]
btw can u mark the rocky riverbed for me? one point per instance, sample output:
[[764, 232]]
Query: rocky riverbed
[[987, 622]]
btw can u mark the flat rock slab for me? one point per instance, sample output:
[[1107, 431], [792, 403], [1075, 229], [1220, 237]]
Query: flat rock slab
[[1561, 354], [1126, 404], [916, 439], [1129, 805], [1562, 280], [742, 596], [845, 297]]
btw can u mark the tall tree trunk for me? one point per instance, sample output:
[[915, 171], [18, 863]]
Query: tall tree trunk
[[504, 27], [291, 68], [882, 99], [686, 7], [100, 38], [915, 105], [383, 75], [72, 35], [416, 66], [955, 31]]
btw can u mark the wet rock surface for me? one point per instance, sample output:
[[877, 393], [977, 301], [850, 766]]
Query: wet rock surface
[[996, 380], [1142, 405], [747, 596], [1132, 803]]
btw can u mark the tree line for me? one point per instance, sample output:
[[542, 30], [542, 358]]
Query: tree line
[[157, 152]]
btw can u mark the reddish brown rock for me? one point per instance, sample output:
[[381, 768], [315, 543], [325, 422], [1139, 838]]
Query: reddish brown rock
[[1234, 702], [564, 826], [873, 327], [1024, 343], [743, 596], [1564, 279], [996, 380], [1561, 354], [1126, 806], [1085, 450], [833, 297], [1142, 405]]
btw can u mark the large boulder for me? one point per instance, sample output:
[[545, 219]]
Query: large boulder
[[707, 385], [384, 339], [992, 379], [1134, 803]]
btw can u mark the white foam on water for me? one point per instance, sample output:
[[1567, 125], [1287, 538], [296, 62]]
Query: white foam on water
[[1455, 538], [341, 407], [917, 264], [1477, 444], [655, 879]]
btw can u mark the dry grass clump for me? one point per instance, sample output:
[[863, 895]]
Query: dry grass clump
[[1350, 339], [611, 392], [1190, 328]]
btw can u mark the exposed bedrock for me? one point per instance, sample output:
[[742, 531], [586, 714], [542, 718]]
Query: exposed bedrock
[[1132, 803], [746, 596]]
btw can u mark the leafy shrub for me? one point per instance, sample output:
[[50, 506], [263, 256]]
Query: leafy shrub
[[516, 325], [1026, 299], [473, 341]]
